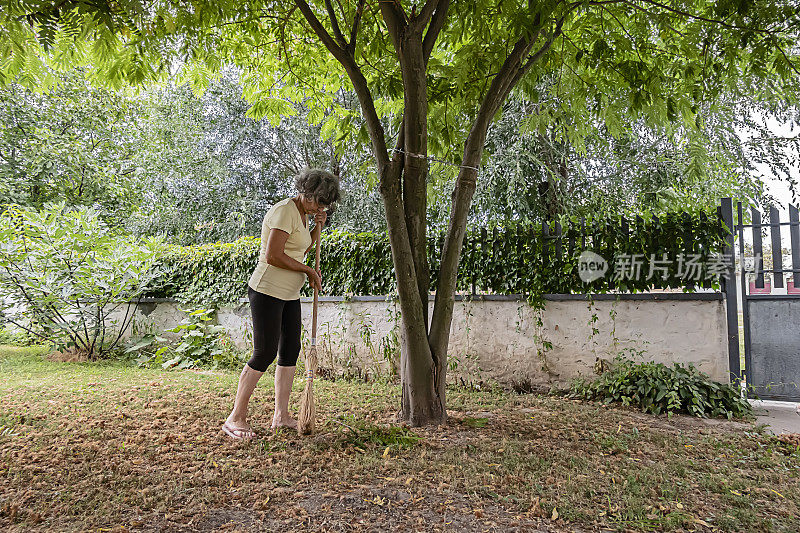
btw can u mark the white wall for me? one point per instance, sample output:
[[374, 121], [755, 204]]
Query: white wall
[[499, 340]]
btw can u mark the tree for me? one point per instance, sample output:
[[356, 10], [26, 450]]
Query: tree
[[439, 71], [70, 144], [208, 172], [533, 176], [202, 176]]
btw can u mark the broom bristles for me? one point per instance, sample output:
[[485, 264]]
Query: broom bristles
[[305, 422]]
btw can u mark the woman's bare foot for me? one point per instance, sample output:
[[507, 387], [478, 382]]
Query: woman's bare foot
[[283, 422]]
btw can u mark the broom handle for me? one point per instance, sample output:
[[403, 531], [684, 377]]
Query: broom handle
[[316, 296]]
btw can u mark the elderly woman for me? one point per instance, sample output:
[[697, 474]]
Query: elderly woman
[[274, 293]]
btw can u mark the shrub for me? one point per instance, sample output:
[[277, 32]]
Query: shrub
[[202, 344], [64, 273], [496, 261], [656, 388]]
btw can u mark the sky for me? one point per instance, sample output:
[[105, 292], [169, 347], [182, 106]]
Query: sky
[[779, 188]]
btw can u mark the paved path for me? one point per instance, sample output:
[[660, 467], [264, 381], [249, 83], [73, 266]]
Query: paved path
[[781, 417]]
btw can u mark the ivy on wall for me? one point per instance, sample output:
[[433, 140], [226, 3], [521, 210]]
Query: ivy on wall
[[518, 259]]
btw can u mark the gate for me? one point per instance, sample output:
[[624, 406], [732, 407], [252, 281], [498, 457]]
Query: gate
[[770, 308]]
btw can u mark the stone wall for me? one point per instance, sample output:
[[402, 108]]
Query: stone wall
[[501, 339]]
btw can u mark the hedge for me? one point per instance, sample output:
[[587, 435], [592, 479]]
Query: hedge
[[513, 259]]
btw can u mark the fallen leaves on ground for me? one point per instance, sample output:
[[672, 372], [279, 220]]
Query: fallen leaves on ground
[[85, 452]]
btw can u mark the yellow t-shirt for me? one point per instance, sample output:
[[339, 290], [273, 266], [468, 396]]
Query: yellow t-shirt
[[275, 281]]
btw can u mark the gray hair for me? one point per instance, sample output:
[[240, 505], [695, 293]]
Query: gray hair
[[318, 184]]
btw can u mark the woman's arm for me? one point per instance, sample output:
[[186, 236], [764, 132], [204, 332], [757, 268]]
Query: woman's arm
[[276, 254]]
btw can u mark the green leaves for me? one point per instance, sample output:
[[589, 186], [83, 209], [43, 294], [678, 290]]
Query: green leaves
[[656, 388], [65, 276], [638, 55], [615, 65], [272, 108], [201, 343], [72, 144], [510, 259]]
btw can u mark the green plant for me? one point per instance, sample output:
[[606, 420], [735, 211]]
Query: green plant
[[366, 332], [145, 347], [66, 278], [17, 337], [475, 423], [390, 343], [202, 343], [543, 344], [498, 262], [657, 388], [364, 434]]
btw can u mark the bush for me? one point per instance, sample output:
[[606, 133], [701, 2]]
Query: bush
[[656, 388], [202, 344], [498, 261], [63, 273]]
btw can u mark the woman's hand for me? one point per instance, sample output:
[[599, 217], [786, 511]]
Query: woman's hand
[[320, 218], [314, 278]]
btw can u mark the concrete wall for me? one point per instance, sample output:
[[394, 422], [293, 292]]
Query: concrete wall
[[502, 339]]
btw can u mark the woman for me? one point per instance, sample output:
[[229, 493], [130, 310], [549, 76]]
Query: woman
[[274, 293]]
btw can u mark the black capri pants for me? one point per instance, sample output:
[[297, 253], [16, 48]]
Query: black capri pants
[[276, 329]]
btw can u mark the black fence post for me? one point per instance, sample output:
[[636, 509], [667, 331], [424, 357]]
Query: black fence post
[[729, 287], [794, 235], [758, 248], [777, 256]]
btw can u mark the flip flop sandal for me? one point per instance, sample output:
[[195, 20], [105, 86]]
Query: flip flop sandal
[[236, 433]]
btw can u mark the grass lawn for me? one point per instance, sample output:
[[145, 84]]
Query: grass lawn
[[106, 447]]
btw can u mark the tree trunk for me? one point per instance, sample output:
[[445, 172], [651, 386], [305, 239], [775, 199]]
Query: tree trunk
[[415, 168], [421, 402], [422, 387], [551, 190], [510, 73], [422, 394]]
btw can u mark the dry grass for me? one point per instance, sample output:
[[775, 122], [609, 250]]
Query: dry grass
[[100, 445]]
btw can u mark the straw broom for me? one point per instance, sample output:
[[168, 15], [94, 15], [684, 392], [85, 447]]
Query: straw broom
[[305, 422]]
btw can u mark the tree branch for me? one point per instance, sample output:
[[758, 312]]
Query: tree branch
[[537, 55], [32, 332], [335, 24], [513, 68], [319, 29], [396, 23], [359, 84], [421, 20], [437, 23], [789, 61], [351, 46], [126, 321], [398, 147], [698, 17]]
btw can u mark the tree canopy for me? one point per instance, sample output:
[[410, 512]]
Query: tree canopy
[[608, 60]]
